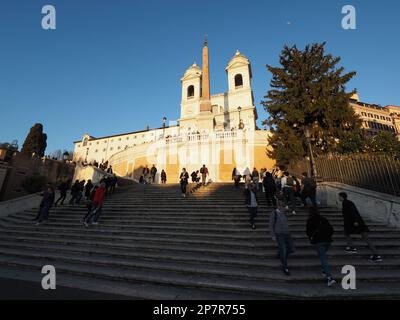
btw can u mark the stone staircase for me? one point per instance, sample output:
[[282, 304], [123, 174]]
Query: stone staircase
[[152, 243]]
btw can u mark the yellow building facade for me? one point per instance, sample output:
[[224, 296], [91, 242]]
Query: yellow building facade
[[216, 130], [376, 118]]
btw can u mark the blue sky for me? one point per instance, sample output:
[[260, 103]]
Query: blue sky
[[115, 66]]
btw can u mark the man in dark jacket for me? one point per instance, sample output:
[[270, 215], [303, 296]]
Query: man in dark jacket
[[81, 191], [270, 188], [320, 232], [75, 192], [354, 224], [45, 205], [153, 172], [114, 182], [63, 187], [308, 189], [90, 203], [88, 189], [184, 180]]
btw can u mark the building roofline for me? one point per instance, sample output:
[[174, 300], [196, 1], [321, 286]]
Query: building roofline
[[125, 134]]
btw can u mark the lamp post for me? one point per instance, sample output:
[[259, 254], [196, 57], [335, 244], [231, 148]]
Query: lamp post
[[164, 120], [307, 133], [240, 126]]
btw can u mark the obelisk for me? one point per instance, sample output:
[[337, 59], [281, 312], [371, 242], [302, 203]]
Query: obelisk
[[205, 102]]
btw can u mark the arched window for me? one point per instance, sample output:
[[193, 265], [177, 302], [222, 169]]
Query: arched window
[[238, 81], [190, 92], [85, 142]]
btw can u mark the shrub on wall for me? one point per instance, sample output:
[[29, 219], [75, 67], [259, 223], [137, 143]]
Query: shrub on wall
[[34, 183]]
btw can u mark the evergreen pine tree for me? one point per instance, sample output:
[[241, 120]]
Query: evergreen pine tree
[[308, 91], [384, 143], [35, 142]]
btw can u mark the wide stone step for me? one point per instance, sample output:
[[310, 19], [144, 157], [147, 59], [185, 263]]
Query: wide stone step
[[297, 229], [253, 264], [199, 249], [244, 286], [179, 212], [206, 269], [150, 238], [123, 290], [111, 220], [248, 235], [184, 241]]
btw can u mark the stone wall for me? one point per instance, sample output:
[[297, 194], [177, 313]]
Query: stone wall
[[220, 152], [375, 206], [89, 173], [21, 166]]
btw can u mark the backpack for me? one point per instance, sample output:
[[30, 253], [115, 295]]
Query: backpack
[[202, 170], [309, 184], [324, 227]]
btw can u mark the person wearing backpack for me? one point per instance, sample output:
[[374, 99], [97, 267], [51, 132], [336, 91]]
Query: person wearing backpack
[[98, 202], [288, 184], [279, 229], [90, 204], [308, 190], [320, 232]]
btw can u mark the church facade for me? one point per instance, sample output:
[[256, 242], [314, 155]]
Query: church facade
[[217, 130]]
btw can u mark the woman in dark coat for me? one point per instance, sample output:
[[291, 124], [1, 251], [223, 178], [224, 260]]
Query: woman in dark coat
[[88, 189], [354, 224], [236, 177], [163, 177], [63, 187], [270, 188], [75, 192], [45, 205], [184, 177]]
